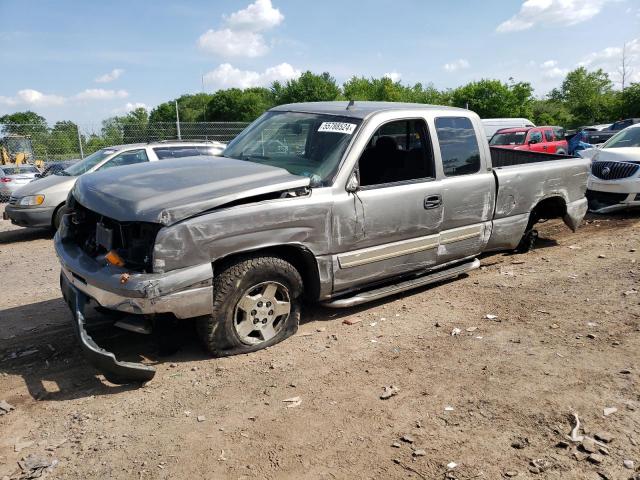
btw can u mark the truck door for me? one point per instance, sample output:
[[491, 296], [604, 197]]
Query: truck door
[[468, 188], [549, 145], [398, 208], [535, 140]]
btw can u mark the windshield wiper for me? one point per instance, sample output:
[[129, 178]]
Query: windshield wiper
[[62, 173]]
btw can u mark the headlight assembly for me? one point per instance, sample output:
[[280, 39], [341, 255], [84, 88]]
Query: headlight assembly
[[31, 201]]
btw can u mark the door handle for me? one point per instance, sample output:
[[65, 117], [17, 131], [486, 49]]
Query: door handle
[[432, 201]]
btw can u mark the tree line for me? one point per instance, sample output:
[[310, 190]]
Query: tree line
[[584, 98]]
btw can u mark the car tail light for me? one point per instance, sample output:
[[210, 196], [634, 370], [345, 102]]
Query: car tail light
[[5, 179]]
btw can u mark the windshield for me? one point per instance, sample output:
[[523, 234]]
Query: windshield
[[304, 144], [626, 138], [510, 138], [87, 164]]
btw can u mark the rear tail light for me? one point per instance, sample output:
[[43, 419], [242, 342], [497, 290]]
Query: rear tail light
[[5, 179]]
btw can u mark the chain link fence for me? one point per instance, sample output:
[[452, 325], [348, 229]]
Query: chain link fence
[[47, 147], [69, 141]]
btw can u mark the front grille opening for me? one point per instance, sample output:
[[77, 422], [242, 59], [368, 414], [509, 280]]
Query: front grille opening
[[132, 241], [614, 170]]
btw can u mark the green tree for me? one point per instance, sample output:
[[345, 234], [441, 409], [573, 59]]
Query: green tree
[[63, 140], [24, 123], [551, 112], [493, 98], [191, 107], [629, 102], [235, 105], [309, 87], [588, 96]]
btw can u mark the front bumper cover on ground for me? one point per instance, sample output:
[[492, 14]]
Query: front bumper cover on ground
[[115, 371]]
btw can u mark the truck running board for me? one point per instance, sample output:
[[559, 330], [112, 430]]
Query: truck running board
[[371, 295]]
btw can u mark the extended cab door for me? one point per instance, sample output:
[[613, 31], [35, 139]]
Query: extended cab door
[[390, 225], [468, 188], [535, 140]]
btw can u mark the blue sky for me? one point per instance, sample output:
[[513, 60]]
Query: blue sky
[[86, 61]]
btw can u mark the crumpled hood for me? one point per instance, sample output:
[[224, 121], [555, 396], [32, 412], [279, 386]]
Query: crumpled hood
[[625, 154], [168, 191]]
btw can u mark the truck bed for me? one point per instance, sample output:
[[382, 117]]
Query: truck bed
[[523, 180], [506, 157]]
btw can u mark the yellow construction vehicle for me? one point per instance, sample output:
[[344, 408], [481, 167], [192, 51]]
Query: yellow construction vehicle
[[17, 149]]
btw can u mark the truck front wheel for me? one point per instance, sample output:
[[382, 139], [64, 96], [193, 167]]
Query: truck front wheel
[[256, 304]]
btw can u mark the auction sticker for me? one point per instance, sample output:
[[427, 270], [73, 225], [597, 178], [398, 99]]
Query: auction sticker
[[337, 127]]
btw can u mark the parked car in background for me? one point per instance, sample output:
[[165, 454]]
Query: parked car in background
[[614, 183], [600, 136], [13, 177], [51, 168], [492, 125], [538, 139], [41, 203], [342, 202]]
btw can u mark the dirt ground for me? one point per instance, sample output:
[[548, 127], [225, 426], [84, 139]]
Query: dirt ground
[[497, 399]]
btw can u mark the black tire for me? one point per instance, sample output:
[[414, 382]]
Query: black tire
[[561, 151], [528, 241], [57, 216], [235, 282]]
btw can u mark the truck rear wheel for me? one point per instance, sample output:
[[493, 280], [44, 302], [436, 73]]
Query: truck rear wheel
[[256, 304]]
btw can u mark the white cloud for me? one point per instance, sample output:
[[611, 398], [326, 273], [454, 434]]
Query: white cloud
[[258, 16], [394, 76], [101, 94], [231, 43], [228, 76], [552, 13], [111, 76], [33, 98], [551, 70], [241, 35], [610, 60], [456, 65], [129, 107]]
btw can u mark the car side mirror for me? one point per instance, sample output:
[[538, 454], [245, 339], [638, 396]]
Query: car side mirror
[[353, 185]]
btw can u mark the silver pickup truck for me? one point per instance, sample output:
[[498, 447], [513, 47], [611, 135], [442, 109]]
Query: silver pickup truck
[[339, 203]]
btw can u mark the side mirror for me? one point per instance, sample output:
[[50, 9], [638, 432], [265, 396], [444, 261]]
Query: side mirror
[[353, 185]]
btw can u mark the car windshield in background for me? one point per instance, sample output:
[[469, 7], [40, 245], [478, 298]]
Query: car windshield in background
[[87, 164], [511, 138], [19, 170], [626, 138], [304, 144]]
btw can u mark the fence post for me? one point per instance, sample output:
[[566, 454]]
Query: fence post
[[178, 121], [80, 142]]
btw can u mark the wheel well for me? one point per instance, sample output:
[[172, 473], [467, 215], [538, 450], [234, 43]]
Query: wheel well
[[55, 212], [552, 207], [302, 259]]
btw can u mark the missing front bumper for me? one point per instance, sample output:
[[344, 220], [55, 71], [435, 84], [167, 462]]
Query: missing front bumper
[[113, 370]]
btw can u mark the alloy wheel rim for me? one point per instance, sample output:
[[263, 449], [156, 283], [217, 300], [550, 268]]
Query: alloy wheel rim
[[261, 312]]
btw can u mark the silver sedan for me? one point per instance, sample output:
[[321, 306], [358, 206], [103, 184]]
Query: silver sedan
[[12, 177]]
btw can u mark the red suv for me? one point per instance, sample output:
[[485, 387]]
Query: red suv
[[537, 139]]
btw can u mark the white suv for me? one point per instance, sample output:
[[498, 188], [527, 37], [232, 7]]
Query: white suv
[[41, 202], [614, 183]]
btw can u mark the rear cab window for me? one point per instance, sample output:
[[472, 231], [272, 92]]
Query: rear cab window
[[458, 146], [164, 153], [548, 135]]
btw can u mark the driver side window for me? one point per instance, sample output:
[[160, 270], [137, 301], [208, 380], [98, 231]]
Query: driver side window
[[535, 137], [126, 158], [398, 151]]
